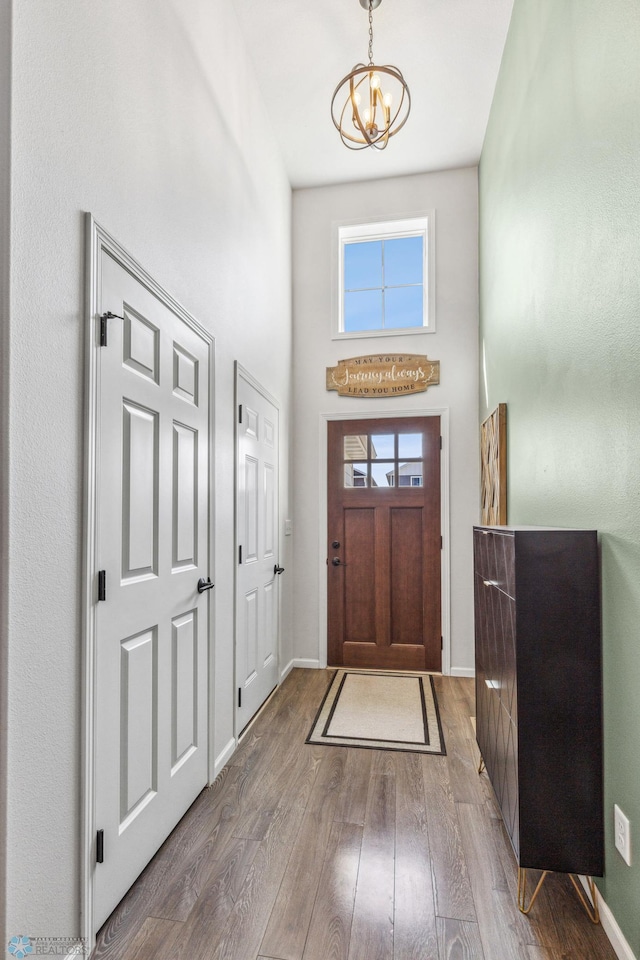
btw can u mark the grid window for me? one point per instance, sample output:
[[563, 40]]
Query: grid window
[[384, 275], [377, 461]]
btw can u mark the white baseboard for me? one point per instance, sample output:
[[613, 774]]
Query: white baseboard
[[286, 671], [611, 928], [302, 664], [223, 758], [462, 672], [305, 665]]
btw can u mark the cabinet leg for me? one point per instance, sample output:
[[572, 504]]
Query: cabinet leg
[[591, 908], [522, 890]]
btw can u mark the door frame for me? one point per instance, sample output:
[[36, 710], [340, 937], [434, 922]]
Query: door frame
[[241, 373], [97, 240], [358, 413]]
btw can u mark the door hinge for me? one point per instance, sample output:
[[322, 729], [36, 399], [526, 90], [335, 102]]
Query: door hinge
[[100, 846], [239, 696], [441, 644], [103, 325], [441, 443], [102, 584], [240, 414], [441, 543], [239, 554]]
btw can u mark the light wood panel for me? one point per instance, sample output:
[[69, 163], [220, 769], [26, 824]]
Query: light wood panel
[[452, 890], [372, 927], [459, 940], [289, 921], [301, 852], [493, 457], [330, 928], [414, 927]]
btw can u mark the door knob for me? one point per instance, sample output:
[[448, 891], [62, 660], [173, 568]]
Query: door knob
[[335, 544], [278, 569], [205, 584], [337, 562]]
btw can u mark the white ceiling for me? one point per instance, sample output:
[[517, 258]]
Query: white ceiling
[[449, 52]]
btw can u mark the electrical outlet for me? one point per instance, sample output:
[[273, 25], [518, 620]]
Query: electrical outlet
[[622, 834]]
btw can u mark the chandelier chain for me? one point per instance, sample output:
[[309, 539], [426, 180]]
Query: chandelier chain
[[370, 32]]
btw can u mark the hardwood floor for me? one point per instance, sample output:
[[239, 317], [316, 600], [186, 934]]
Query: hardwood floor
[[304, 852]]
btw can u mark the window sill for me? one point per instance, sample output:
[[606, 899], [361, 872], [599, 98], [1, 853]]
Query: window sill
[[373, 334]]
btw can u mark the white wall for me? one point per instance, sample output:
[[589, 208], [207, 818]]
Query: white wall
[[5, 231], [148, 115], [453, 196]]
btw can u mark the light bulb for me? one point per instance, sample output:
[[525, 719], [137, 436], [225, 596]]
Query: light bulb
[[367, 117], [375, 81], [387, 99], [357, 98]]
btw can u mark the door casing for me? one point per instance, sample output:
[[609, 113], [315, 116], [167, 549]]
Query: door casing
[[358, 413], [97, 239]]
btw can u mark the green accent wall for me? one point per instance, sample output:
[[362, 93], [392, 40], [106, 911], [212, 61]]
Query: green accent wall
[[560, 330]]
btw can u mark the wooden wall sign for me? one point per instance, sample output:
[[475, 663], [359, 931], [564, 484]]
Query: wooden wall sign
[[383, 375]]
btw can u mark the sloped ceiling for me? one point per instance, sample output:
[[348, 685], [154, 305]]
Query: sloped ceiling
[[448, 50]]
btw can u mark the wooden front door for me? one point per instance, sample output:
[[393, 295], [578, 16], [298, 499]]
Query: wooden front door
[[384, 543]]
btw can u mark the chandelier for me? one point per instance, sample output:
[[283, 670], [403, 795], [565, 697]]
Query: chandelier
[[371, 103]]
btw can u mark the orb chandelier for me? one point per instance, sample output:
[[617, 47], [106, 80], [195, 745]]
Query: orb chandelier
[[371, 103]]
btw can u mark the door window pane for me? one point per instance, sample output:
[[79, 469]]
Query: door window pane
[[410, 475], [383, 474], [410, 446], [355, 475], [355, 447], [383, 446]]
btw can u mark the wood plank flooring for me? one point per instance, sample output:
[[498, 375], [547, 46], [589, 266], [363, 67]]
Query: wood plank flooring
[[304, 852]]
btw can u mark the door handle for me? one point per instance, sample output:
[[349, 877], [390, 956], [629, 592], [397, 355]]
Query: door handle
[[205, 584], [337, 562], [277, 569]]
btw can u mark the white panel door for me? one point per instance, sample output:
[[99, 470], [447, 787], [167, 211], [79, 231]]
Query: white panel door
[[152, 628], [258, 545]]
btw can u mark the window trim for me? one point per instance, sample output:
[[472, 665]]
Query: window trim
[[365, 230]]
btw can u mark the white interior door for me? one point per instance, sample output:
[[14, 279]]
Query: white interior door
[[257, 493], [152, 627]]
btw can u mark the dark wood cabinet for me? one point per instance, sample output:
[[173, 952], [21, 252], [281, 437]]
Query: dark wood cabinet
[[539, 691]]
